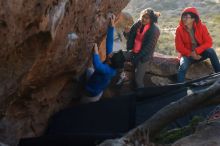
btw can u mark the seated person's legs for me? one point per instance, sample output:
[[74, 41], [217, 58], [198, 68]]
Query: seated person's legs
[[139, 74], [211, 54], [184, 65]]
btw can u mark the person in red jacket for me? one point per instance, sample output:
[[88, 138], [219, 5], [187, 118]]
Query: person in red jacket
[[193, 42]]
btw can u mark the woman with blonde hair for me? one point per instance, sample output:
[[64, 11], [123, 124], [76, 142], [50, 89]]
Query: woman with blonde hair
[[142, 40]]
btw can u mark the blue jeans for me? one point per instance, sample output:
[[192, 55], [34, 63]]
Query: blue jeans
[[185, 62]]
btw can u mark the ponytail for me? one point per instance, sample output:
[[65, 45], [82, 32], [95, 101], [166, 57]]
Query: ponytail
[[155, 17]]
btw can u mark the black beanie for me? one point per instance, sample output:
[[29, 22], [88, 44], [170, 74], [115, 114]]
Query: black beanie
[[117, 60]]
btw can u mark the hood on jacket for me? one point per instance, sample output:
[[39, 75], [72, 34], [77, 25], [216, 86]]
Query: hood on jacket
[[191, 10]]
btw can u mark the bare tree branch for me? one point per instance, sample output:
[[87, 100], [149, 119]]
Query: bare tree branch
[[169, 113]]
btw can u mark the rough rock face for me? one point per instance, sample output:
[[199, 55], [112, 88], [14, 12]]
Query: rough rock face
[[205, 135], [38, 60]]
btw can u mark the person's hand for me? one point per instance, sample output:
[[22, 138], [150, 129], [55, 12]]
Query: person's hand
[[195, 56], [198, 57], [127, 29], [95, 49], [112, 20]]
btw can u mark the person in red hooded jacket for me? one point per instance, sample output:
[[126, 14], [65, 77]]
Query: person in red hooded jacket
[[193, 42]]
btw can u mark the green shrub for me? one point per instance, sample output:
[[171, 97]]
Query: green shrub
[[169, 136]]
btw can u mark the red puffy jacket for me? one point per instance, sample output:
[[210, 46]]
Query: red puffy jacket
[[183, 41]]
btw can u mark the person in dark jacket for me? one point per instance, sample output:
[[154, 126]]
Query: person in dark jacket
[[193, 42], [142, 40], [103, 73]]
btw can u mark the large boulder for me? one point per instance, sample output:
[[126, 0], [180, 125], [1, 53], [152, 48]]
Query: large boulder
[[166, 67], [123, 21], [44, 44], [161, 70], [206, 135]]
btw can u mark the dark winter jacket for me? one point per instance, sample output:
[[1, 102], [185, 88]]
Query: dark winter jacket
[[148, 44]]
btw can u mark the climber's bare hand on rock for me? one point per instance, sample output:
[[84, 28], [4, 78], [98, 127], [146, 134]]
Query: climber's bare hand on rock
[[112, 20], [95, 48]]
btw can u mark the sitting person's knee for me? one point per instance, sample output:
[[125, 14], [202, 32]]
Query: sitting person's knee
[[184, 63], [183, 67], [210, 51]]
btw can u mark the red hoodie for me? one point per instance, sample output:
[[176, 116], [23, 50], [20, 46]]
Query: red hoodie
[[183, 40]]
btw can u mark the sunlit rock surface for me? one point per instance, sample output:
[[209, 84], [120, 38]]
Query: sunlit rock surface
[[44, 44]]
